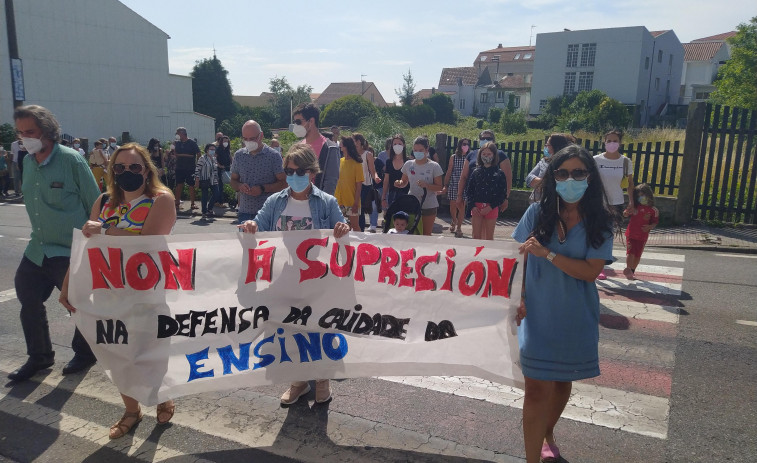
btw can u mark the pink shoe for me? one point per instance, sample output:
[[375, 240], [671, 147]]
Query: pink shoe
[[550, 453], [602, 275]]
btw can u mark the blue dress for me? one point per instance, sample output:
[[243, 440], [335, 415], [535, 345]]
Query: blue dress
[[559, 338]]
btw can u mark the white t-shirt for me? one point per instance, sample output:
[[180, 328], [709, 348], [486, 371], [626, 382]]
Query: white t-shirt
[[611, 172], [296, 216], [367, 177], [426, 172]]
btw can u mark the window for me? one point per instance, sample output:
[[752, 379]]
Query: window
[[462, 103], [500, 96], [656, 83], [516, 101], [588, 52], [585, 81], [542, 104], [372, 98], [495, 58], [646, 63], [702, 95], [484, 97], [527, 56], [517, 56], [659, 56], [572, 56], [667, 88], [570, 83], [670, 64]]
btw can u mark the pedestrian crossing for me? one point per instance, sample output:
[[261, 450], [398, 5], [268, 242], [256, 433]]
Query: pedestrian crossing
[[638, 325]]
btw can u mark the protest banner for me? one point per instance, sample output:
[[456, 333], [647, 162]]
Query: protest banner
[[174, 315]]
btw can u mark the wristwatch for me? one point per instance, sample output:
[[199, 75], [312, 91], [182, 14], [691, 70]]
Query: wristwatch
[[551, 256]]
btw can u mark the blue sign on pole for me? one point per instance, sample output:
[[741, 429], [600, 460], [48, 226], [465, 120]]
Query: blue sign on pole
[[17, 76]]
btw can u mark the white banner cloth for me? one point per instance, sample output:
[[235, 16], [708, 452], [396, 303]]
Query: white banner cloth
[[174, 315]]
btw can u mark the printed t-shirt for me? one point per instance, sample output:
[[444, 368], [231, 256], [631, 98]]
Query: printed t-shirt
[[426, 172], [296, 216], [611, 172]]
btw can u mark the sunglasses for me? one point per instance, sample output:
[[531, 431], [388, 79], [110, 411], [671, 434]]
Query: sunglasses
[[299, 171], [134, 168], [576, 174]]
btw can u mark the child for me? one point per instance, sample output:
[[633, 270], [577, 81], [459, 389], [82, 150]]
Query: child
[[206, 177], [642, 221], [400, 219]]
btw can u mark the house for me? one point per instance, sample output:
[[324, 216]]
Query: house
[[630, 64], [261, 101], [365, 89], [498, 93], [459, 84], [702, 59], [515, 65], [100, 78]]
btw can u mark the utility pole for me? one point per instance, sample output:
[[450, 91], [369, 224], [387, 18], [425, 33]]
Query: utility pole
[[17, 73], [532, 35]]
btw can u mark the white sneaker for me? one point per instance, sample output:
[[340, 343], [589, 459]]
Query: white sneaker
[[371, 229]]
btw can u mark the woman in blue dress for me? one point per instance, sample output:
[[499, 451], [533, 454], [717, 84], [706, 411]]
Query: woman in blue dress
[[567, 238]]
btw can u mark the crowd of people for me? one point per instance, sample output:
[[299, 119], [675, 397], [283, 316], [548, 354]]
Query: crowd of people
[[323, 182]]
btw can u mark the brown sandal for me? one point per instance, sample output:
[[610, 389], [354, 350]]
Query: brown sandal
[[121, 428], [165, 408]]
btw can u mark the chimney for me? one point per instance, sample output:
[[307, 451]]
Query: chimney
[[499, 46]]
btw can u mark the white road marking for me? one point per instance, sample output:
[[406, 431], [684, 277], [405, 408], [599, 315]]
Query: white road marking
[[626, 411], [729, 254], [643, 268], [219, 414], [13, 204], [24, 239], [653, 287], [639, 310], [621, 254], [746, 322], [7, 295]]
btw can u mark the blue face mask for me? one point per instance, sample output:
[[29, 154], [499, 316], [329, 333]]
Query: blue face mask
[[546, 152], [298, 183], [419, 155], [571, 191]]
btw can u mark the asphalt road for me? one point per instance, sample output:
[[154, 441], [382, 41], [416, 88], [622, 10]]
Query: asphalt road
[[679, 383]]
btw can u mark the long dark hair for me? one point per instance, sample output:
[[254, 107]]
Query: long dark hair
[[151, 145], [593, 207], [349, 143], [404, 147], [646, 190], [459, 149]]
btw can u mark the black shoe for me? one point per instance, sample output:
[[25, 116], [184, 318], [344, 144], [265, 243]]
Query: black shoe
[[29, 369], [78, 364]]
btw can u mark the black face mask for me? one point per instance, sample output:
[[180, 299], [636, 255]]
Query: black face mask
[[129, 181]]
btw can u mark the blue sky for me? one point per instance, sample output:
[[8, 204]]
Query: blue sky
[[317, 43]]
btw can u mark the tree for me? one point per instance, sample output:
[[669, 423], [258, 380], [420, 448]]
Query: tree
[[263, 116], [285, 97], [406, 93], [442, 106], [593, 111], [211, 90], [737, 78], [348, 110], [7, 135]]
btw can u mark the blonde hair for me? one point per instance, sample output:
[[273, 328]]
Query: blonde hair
[[303, 156], [152, 186]]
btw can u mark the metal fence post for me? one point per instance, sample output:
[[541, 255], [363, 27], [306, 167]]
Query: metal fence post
[[687, 186]]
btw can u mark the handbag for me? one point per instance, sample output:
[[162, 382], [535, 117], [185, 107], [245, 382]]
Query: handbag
[[624, 180]]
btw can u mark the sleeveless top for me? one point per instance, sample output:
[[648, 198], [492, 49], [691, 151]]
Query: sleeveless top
[[129, 216]]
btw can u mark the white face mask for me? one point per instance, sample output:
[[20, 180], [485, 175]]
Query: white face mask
[[299, 131], [251, 145], [398, 149], [32, 145], [225, 144], [177, 137], [76, 145], [113, 144]]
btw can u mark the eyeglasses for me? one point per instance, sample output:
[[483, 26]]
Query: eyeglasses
[[576, 174], [134, 168], [299, 171]]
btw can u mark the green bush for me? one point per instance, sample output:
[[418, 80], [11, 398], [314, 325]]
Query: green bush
[[378, 128], [7, 135], [347, 111], [442, 106], [495, 115], [514, 122]]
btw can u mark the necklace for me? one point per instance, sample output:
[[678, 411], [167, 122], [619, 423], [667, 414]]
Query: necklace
[[564, 233]]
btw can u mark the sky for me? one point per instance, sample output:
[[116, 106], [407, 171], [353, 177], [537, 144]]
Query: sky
[[316, 43]]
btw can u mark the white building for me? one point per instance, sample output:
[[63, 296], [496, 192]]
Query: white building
[[460, 84], [629, 64], [702, 59], [101, 68]]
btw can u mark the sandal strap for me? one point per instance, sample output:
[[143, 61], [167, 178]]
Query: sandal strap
[[124, 428]]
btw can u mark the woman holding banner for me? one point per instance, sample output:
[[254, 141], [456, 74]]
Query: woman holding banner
[[136, 203], [302, 206], [567, 239]]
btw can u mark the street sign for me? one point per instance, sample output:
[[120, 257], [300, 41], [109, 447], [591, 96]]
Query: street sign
[[17, 76]]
